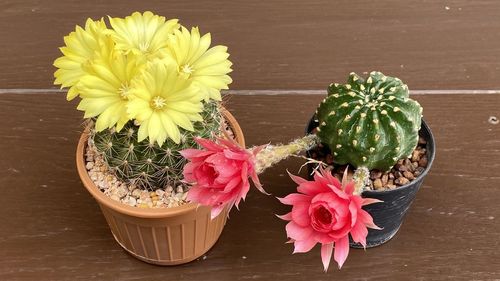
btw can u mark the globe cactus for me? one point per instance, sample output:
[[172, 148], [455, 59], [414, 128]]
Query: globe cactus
[[148, 165], [369, 123]]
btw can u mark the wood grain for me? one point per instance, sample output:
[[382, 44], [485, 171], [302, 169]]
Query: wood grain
[[286, 44], [53, 230]]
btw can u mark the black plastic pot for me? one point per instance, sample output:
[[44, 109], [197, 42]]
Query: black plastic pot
[[390, 213]]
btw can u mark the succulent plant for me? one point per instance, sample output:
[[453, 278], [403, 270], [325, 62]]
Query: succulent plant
[[148, 165], [369, 123]]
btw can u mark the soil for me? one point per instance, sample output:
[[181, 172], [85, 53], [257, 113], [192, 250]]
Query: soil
[[405, 170]]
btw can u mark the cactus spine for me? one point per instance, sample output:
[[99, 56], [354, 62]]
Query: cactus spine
[[146, 165], [369, 123]]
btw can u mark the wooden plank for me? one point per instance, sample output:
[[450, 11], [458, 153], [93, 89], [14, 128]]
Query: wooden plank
[[53, 230], [286, 44]]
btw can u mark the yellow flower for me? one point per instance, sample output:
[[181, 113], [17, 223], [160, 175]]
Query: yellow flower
[[207, 68], [105, 93], [82, 45], [142, 34], [162, 102]]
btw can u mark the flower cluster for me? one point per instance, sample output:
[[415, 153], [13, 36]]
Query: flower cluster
[[324, 210], [142, 68]]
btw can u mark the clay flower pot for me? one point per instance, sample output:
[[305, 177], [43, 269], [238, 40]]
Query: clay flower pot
[[162, 236], [390, 213]]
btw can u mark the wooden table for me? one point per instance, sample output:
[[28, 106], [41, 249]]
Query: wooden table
[[51, 229]]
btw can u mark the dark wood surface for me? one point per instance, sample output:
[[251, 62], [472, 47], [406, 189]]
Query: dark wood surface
[[286, 44], [51, 228]]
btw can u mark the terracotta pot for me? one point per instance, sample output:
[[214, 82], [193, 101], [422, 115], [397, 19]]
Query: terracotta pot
[[162, 236], [390, 213]]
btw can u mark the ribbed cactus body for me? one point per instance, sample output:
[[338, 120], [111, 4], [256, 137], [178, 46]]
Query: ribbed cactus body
[[149, 166], [369, 123]]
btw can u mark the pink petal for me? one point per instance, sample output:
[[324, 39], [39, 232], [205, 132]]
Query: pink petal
[[359, 233], [188, 172], [217, 210], [257, 183], [286, 217], [236, 155], [341, 250], [303, 246], [368, 201], [367, 219], [326, 255], [312, 188], [300, 214], [298, 180], [257, 149], [209, 145], [353, 209], [231, 144], [349, 188], [340, 193], [294, 198], [297, 232], [190, 153]]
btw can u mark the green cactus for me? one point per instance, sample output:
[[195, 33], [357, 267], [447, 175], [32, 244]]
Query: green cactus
[[149, 166], [369, 123]]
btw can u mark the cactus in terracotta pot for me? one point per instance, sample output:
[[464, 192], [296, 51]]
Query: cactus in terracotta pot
[[148, 87]]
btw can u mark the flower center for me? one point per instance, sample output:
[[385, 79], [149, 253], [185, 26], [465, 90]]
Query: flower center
[[123, 91], [187, 69], [323, 216], [158, 102], [144, 46]]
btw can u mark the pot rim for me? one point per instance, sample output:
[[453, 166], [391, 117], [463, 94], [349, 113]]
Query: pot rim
[[430, 141], [102, 199]]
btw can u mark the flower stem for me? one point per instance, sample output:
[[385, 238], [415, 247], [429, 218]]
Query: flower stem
[[272, 154]]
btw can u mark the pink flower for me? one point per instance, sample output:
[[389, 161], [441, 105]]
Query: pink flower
[[326, 212], [219, 173]]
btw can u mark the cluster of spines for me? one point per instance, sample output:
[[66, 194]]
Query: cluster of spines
[[370, 123], [147, 165]]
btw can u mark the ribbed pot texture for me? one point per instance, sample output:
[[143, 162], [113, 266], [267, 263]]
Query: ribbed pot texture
[[162, 236], [390, 213]]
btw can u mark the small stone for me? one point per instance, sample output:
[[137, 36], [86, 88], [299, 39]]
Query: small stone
[[391, 176], [415, 165], [89, 165], [132, 201], [401, 167], [400, 162], [385, 179], [136, 193], [398, 174], [415, 157], [377, 184], [375, 174], [169, 189], [419, 171], [122, 191], [159, 192], [180, 189], [409, 175], [422, 141], [402, 181], [423, 162], [115, 197]]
